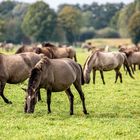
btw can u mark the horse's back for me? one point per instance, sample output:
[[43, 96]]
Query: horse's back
[[18, 66], [64, 72], [109, 60]]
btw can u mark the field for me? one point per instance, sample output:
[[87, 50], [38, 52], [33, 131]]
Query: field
[[110, 42], [114, 112]]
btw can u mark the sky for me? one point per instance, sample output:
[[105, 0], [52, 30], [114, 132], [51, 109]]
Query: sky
[[54, 3]]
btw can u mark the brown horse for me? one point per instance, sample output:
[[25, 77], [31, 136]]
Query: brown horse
[[46, 51], [57, 52], [15, 69], [25, 48], [132, 52], [54, 75], [105, 61]]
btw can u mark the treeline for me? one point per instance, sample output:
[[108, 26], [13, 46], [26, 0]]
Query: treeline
[[37, 22]]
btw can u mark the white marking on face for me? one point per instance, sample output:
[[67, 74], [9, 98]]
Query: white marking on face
[[29, 97]]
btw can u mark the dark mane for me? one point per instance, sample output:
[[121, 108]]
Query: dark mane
[[36, 71], [89, 58], [47, 44], [21, 49], [34, 77]]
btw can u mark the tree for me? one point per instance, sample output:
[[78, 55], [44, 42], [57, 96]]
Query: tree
[[86, 33], [2, 30], [102, 14], [39, 22], [70, 19], [134, 28], [5, 9], [107, 33]]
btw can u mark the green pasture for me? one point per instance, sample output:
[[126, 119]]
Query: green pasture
[[114, 112]]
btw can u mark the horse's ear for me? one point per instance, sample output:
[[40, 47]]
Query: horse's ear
[[24, 89]]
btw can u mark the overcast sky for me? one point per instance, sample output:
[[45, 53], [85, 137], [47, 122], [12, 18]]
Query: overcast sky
[[55, 3]]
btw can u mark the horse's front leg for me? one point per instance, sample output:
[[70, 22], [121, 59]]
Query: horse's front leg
[[94, 75], [71, 98], [38, 94], [49, 100], [102, 76]]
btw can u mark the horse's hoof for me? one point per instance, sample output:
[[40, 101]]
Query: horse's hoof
[[86, 113], [71, 113], [9, 102]]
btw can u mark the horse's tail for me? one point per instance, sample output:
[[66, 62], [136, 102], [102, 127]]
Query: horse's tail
[[82, 75], [75, 57], [126, 64]]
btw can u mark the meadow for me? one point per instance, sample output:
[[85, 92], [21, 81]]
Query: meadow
[[114, 112]]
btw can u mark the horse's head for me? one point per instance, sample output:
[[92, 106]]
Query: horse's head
[[86, 71], [30, 100]]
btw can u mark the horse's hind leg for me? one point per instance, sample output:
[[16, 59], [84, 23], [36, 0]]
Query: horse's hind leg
[[120, 75], [2, 85], [71, 98], [75, 58], [94, 76], [79, 89], [49, 100], [102, 76], [39, 95]]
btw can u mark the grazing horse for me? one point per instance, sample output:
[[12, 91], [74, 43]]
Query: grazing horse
[[105, 61], [25, 48], [133, 58], [15, 69], [47, 52], [57, 52], [132, 52], [54, 75]]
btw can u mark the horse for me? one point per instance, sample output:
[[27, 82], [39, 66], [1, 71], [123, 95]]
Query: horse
[[25, 48], [63, 52], [129, 50], [133, 58], [54, 75], [88, 47], [47, 52], [105, 61], [15, 69]]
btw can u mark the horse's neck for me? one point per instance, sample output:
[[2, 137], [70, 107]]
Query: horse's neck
[[90, 61]]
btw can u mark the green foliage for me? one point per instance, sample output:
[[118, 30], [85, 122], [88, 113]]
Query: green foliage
[[2, 30], [70, 19], [134, 27], [124, 17], [123, 20], [102, 14], [39, 22], [107, 33], [87, 33], [6, 8], [87, 19]]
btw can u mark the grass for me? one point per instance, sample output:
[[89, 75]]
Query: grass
[[114, 112], [110, 42]]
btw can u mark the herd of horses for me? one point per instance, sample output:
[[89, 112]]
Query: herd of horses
[[53, 69]]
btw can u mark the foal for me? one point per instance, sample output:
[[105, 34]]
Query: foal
[[54, 75]]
